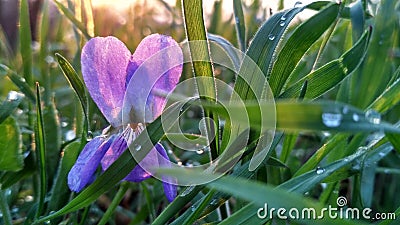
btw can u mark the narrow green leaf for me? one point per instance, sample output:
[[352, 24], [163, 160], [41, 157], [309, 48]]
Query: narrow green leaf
[[394, 140], [41, 152], [240, 24], [332, 73], [25, 41], [81, 27], [11, 158], [198, 44], [357, 19], [115, 202], [5, 209], [43, 52], [374, 75], [18, 81], [74, 80], [388, 99], [9, 105], [298, 43]]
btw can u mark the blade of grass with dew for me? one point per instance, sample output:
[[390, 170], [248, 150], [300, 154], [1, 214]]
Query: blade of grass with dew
[[357, 19], [80, 26], [250, 84], [75, 81], [9, 105], [18, 81], [41, 152], [227, 46], [332, 73], [240, 24], [198, 43], [367, 176], [299, 42], [10, 142]]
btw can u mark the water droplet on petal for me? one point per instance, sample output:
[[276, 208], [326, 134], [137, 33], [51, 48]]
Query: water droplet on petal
[[319, 170], [271, 37], [356, 118], [373, 116], [332, 119], [137, 147]]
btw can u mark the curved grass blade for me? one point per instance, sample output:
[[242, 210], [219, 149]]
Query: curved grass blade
[[75, 81], [357, 19], [331, 74], [221, 42], [18, 81], [388, 99], [240, 24], [41, 151], [298, 43], [9, 105]]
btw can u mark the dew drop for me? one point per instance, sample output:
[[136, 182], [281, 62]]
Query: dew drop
[[356, 118], [64, 124], [187, 191], [89, 136], [373, 116], [271, 37], [345, 110], [170, 152], [387, 171], [193, 208], [381, 154], [69, 135], [282, 23], [283, 18], [214, 201], [179, 163], [332, 119], [319, 170], [12, 96], [137, 147]]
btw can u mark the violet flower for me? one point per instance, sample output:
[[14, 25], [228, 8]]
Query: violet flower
[[107, 67]]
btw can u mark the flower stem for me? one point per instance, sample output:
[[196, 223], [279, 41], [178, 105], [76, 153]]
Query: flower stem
[[115, 202]]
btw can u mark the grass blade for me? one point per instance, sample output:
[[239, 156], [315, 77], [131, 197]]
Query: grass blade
[[240, 24], [19, 82], [41, 152], [25, 42], [11, 158]]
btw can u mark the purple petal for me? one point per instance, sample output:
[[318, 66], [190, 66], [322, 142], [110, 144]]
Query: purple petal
[[104, 62], [170, 189], [82, 173], [154, 68]]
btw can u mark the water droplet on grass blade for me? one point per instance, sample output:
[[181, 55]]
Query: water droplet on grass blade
[[332, 119], [297, 4], [282, 23], [373, 116], [200, 151], [319, 170], [356, 117], [13, 96], [137, 147], [271, 37]]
